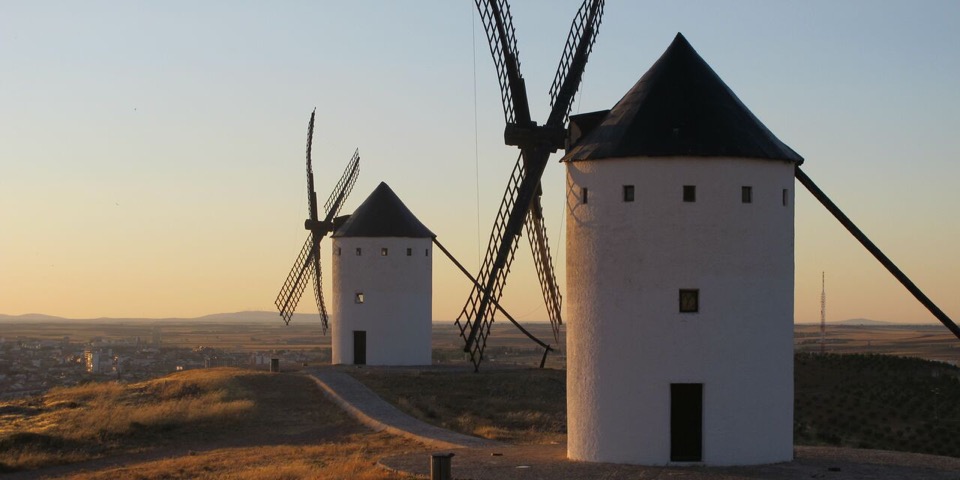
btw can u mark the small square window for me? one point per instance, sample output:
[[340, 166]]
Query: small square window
[[383, 252], [786, 197], [689, 193], [689, 300], [426, 252], [359, 252], [338, 251], [628, 192], [409, 252], [746, 194], [358, 297], [583, 195]]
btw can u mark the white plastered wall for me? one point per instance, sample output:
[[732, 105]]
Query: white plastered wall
[[397, 292], [626, 339]]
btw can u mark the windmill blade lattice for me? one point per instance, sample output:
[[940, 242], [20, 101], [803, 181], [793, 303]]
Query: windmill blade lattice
[[473, 322], [296, 282], [580, 42], [536, 144], [540, 246], [311, 190], [343, 188], [318, 288], [307, 265], [502, 39]]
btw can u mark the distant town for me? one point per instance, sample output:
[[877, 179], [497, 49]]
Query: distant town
[[43, 353], [30, 366]]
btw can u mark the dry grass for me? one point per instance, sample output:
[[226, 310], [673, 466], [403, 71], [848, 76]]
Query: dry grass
[[353, 458], [516, 405], [217, 414], [77, 423], [112, 409]]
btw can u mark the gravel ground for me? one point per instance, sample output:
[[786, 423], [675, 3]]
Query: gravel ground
[[536, 462]]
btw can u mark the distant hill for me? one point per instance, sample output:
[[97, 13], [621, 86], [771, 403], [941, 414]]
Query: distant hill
[[864, 322], [869, 322], [259, 316], [30, 316], [247, 316]]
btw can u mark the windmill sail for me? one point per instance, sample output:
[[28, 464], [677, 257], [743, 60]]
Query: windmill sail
[[296, 282], [583, 33], [540, 246], [477, 315], [536, 144], [343, 188], [307, 266], [502, 39]]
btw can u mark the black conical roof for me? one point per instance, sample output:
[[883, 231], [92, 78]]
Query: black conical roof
[[680, 107], [382, 214]]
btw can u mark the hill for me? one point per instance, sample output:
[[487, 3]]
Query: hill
[[30, 317], [210, 423]]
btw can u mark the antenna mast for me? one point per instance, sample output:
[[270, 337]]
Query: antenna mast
[[823, 312]]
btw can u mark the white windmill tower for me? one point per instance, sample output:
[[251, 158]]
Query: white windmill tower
[[680, 262], [382, 285]]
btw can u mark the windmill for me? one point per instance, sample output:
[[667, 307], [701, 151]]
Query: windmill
[[307, 264], [521, 203], [650, 301]]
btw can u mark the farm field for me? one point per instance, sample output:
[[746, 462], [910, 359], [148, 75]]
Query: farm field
[[932, 342]]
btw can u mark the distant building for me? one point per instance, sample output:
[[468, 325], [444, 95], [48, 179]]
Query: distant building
[[93, 360], [382, 285], [259, 359]]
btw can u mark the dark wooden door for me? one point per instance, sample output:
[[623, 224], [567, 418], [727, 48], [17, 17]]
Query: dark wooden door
[[359, 347], [686, 422]]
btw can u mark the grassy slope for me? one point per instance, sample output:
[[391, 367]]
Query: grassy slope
[[512, 405], [352, 457], [866, 401], [234, 424]]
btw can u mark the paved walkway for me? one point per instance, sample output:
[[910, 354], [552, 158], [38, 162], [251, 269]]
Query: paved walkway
[[371, 410]]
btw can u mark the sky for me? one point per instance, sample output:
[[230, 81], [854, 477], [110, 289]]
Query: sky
[[151, 153]]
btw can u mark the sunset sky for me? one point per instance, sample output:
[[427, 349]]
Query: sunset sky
[[151, 153]]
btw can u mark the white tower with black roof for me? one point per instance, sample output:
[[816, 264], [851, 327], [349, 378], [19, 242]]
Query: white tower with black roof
[[680, 264], [382, 285]]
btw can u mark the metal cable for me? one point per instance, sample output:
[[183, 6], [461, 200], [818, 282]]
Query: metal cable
[[476, 134]]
